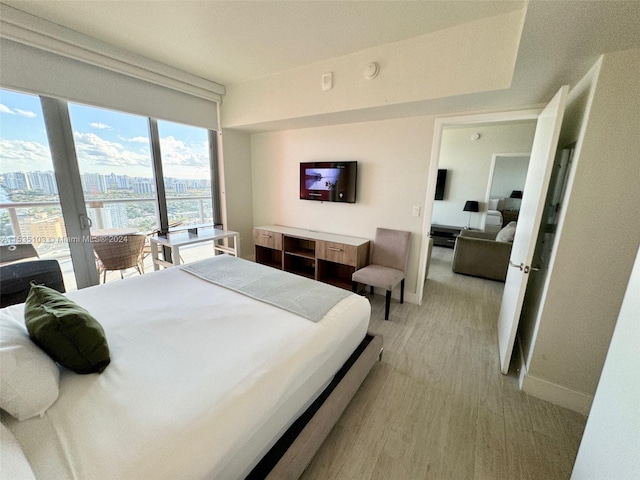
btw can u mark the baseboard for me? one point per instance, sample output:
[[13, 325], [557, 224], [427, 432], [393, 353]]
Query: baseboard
[[557, 394]]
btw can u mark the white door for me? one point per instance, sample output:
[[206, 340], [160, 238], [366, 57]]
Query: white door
[[543, 152]]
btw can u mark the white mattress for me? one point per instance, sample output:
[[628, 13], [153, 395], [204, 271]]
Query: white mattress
[[202, 381]]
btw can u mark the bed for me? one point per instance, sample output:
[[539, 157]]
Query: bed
[[204, 382]]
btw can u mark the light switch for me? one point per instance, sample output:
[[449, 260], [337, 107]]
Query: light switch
[[327, 81], [415, 212]]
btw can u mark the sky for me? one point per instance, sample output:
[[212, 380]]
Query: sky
[[106, 141]]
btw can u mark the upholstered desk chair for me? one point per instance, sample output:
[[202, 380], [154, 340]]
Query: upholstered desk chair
[[16, 278], [388, 264], [18, 251]]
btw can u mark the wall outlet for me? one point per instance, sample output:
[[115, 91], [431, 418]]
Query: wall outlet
[[415, 211]]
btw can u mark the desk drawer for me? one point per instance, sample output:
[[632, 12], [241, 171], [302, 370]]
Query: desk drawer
[[338, 253], [268, 239]]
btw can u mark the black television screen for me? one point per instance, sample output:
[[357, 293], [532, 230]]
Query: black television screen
[[440, 184], [328, 181]]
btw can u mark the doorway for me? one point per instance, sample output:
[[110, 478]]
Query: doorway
[[456, 196]]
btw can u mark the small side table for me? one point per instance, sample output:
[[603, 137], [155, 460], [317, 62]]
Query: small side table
[[179, 239]]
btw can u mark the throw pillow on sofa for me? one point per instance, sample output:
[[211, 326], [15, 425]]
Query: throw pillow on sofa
[[507, 233]]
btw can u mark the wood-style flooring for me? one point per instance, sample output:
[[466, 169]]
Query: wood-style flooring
[[437, 407]]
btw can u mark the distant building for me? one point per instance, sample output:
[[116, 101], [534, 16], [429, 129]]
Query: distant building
[[43, 228], [43, 182], [16, 181], [142, 185], [112, 215], [180, 186], [94, 183]]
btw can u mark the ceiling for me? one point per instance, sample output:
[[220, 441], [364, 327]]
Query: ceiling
[[231, 42]]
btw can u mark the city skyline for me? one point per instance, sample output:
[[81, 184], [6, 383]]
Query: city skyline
[[93, 182]]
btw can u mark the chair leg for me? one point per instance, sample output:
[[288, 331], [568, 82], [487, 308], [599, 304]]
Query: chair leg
[[371, 289], [386, 305], [354, 287], [402, 291]]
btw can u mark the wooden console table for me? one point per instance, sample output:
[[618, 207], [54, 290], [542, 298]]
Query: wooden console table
[[322, 256]]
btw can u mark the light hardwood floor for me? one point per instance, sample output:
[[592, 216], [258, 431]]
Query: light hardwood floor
[[437, 407]]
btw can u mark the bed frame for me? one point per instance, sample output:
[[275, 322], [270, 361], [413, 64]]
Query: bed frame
[[293, 452]]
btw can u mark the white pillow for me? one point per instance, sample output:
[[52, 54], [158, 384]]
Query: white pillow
[[30, 378], [492, 204], [14, 464], [507, 233]]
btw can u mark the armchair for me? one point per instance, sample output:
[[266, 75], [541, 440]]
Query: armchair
[[479, 254]]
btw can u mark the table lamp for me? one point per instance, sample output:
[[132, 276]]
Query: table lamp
[[470, 206]]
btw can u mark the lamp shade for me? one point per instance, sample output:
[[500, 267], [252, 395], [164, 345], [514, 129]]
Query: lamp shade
[[516, 194], [471, 206]]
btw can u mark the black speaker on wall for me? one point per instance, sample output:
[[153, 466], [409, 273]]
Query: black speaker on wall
[[440, 183]]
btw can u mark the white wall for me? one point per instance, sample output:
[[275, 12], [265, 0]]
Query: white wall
[[596, 246], [474, 57], [610, 445], [509, 174], [239, 194], [393, 162], [468, 165]]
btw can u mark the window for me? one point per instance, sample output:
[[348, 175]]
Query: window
[[30, 210], [114, 176], [116, 171], [187, 173]]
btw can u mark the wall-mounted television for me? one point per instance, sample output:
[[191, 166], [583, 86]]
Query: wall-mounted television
[[329, 181], [440, 184]]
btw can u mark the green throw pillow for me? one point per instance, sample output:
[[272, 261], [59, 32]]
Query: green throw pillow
[[65, 331]]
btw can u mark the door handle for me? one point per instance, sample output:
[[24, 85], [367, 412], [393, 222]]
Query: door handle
[[85, 222], [521, 266]]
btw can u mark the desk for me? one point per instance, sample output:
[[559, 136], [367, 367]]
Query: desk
[[179, 239]]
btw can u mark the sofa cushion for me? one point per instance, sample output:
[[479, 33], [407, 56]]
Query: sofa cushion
[[507, 233]]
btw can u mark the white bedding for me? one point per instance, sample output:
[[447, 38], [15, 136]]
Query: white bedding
[[202, 381]]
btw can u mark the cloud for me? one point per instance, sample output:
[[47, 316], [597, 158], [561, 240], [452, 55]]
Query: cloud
[[24, 156], [100, 126], [25, 113], [138, 140], [93, 150], [176, 152], [17, 111]]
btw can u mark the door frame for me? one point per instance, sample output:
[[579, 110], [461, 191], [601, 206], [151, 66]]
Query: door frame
[[439, 125]]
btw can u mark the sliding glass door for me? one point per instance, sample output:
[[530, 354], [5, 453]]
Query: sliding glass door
[[30, 209], [70, 171], [114, 159]]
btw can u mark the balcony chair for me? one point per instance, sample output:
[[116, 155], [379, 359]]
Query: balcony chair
[[118, 252], [389, 258], [16, 278]]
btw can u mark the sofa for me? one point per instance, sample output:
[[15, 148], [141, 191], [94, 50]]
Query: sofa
[[483, 254]]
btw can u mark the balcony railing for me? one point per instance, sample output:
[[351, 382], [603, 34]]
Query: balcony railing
[[50, 247]]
